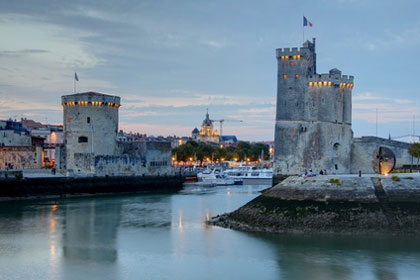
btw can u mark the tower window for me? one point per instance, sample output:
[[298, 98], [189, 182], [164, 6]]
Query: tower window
[[83, 139], [284, 76], [88, 120]]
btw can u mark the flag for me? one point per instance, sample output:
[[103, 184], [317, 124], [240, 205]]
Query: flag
[[75, 76], [306, 22]]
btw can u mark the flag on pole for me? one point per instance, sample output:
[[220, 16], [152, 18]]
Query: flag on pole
[[75, 76], [306, 22]]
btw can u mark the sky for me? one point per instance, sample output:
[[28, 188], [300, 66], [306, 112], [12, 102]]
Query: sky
[[171, 60]]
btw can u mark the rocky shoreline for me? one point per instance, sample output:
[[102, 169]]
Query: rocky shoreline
[[332, 204]]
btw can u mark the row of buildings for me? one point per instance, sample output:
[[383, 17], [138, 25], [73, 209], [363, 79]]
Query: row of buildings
[[28, 144]]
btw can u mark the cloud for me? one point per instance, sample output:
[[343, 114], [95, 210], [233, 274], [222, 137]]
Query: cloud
[[35, 52], [183, 98], [390, 110]]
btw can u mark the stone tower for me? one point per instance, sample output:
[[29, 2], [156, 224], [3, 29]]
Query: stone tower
[[313, 116], [90, 125]]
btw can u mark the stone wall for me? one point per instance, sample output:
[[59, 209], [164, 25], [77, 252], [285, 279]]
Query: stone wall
[[365, 150], [21, 157], [11, 138], [133, 159]]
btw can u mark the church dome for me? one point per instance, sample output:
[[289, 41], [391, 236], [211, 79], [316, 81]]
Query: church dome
[[195, 131]]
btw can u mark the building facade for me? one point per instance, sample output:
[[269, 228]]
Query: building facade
[[313, 121], [207, 133], [91, 145], [313, 117]]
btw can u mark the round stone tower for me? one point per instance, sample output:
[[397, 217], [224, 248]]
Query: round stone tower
[[313, 117], [90, 125]]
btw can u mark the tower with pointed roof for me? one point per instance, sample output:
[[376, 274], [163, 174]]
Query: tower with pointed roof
[[207, 133]]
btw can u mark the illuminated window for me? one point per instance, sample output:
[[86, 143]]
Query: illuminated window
[[315, 84], [286, 57], [329, 83], [325, 84], [294, 57], [311, 84], [351, 85], [100, 103], [298, 57], [284, 76], [296, 76]]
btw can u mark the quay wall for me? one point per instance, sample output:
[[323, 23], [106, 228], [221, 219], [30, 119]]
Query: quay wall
[[333, 204], [27, 188]]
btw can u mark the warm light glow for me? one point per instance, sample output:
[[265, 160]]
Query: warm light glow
[[329, 83], [311, 84], [294, 57], [284, 76], [235, 159], [298, 56], [191, 158], [221, 145], [180, 225], [179, 142], [53, 137], [296, 76], [222, 159]]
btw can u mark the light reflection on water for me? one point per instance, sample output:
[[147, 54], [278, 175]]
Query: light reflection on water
[[166, 237]]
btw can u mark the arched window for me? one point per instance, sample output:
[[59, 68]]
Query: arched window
[[83, 139]]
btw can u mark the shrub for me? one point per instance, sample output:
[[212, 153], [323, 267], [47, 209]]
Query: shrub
[[396, 178], [334, 181]]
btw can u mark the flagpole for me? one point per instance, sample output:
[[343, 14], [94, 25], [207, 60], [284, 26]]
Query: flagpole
[[74, 85]]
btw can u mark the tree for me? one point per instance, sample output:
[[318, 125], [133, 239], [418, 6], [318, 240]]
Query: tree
[[414, 151]]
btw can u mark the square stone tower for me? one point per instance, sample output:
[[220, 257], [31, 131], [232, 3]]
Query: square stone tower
[[313, 116]]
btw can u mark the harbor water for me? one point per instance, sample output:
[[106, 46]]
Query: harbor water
[[164, 236]]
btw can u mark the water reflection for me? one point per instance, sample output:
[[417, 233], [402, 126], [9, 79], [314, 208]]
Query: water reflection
[[90, 230], [341, 257], [151, 211]]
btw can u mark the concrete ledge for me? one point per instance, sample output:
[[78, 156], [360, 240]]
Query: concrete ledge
[[347, 204]]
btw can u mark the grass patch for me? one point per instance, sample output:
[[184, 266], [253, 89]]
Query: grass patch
[[334, 181], [396, 178]]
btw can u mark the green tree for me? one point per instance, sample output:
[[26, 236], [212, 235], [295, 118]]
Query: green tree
[[414, 151]]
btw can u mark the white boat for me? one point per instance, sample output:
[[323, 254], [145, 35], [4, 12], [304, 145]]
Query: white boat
[[249, 172], [218, 177]]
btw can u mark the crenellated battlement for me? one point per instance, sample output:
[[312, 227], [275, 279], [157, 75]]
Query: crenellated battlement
[[292, 52], [328, 80]]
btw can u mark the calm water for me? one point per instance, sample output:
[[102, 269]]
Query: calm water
[[165, 237]]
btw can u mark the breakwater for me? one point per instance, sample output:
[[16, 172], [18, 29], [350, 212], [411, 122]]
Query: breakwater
[[26, 188], [333, 204]]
